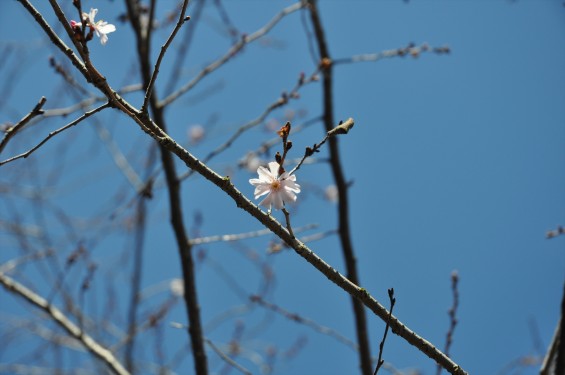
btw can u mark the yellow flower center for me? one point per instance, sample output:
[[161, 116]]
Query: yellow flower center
[[275, 185]]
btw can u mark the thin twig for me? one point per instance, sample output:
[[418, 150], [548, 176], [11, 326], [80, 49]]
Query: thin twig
[[452, 315], [62, 320], [59, 69], [307, 322], [86, 103], [119, 159], [287, 218], [185, 43], [380, 360], [11, 264], [231, 53], [342, 128], [54, 133], [13, 130], [226, 358], [149, 90], [555, 232]]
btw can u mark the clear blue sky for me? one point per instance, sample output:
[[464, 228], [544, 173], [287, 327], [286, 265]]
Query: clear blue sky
[[457, 163]]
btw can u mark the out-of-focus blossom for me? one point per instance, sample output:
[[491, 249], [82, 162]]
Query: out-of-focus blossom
[[331, 193], [250, 162], [196, 133], [177, 287]]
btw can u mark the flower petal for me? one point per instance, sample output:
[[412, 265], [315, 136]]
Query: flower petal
[[267, 201], [256, 181], [277, 199], [274, 167], [265, 175], [92, 14], [107, 29], [295, 188], [288, 196], [261, 190], [103, 38]]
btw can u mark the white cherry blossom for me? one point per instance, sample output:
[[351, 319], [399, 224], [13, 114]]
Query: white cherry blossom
[[102, 28], [279, 189]]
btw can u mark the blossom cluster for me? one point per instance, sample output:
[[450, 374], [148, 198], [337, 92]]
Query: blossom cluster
[[101, 28]]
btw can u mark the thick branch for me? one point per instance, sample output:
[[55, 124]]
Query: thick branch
[[301, 249]]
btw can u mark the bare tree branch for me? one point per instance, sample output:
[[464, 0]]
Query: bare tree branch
[[164, 48], [13, 130], [61, 319], [231, 53], [54, 133]]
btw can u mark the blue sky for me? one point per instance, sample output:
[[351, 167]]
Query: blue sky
[[456, 162]]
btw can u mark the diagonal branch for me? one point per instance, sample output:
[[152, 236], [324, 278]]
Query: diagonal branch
[[224, 183], [305, 252], [13, 130], [54, 133], [62, 320], [164, 48]]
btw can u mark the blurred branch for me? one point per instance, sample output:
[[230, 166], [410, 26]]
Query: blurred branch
[[72, 329], [305, 321], [54, 133], [59, 69], [227, 359], [159, 129], [301, 249], [231, 53], [86, 103], [241, 236], [12, 264], [410, 50], [280, 102], [169, 145], [554, 233], [119, 159]]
